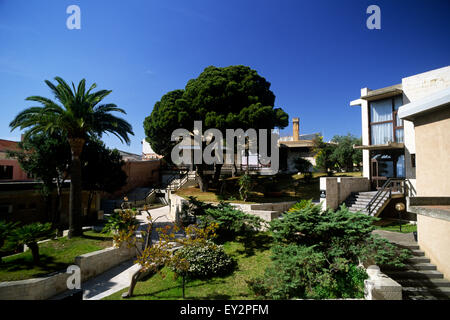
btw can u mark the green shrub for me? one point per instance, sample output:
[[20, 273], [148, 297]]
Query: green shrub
[[120, 220], [206, 261], [29, 235], [6, 230], [193, 208], [245, 186], [305, 273], [232, 222], [317, 253]]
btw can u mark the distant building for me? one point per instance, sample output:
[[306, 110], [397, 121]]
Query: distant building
[[295, 147], [148, 153], [10, 169]]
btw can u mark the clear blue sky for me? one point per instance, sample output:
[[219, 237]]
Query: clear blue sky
[[317, 54]]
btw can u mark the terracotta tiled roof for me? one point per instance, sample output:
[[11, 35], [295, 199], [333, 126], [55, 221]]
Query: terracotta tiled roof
[[9, 145]]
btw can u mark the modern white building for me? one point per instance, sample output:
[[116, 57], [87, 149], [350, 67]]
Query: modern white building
[[389, 149]]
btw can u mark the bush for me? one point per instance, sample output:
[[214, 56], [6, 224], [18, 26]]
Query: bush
[[192, 209], [121, 220], [245, 186], [29, 235], [317, 253], [305, 273], [232, 222], [206, 261]]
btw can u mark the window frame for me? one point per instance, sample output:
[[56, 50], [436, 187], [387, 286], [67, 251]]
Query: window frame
[[393, 121]]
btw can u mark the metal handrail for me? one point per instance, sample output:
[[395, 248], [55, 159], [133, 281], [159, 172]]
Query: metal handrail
[[379, 196]]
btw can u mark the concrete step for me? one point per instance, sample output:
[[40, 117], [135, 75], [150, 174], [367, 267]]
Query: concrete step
[[411, 246], [425, 291], [415, 274], [417, 253], [418, 259], [414, 266], [429, 283]]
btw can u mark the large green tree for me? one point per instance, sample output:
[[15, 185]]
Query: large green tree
[[46, 157], [223, 98], [101, 169], [344, 154], [78, 115]]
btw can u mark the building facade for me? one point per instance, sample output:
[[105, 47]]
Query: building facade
[[10, 169], [388, 141]]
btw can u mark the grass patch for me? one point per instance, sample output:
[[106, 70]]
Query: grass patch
[[252, 257], [55, 255], [395, 226]]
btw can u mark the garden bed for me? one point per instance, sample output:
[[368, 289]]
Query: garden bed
[[55, 255], [252, 258]]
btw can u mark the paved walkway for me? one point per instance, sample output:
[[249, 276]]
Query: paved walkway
[[396, 237], [118, 278]]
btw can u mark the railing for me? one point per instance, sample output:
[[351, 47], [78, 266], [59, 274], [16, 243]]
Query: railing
[[391, 185]]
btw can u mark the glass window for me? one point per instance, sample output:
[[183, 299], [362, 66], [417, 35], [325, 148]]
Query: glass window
[[381, 110], [382, 133], [399, 135], [398, 102], [401, 166]]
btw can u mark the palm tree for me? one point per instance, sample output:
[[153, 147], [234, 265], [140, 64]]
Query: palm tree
[[79, 116]]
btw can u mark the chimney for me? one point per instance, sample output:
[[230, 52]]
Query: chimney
[[295, 132], [21, 137]]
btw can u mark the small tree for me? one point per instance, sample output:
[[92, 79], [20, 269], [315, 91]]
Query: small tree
[[6, 230], [304, 167], [29, 235], [245, 186], [324, 155], [344, 155]]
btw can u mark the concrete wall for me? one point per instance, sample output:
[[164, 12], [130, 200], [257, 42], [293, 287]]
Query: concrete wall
[[91, 265], [433, 153], [140, 174], [339, 188], [434, 239], [414, 88], [266, 211], [29, 206]]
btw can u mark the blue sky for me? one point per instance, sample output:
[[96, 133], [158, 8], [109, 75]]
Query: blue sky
[[317, 54]]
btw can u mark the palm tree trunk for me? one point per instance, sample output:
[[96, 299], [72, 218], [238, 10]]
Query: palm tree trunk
[[75, 201]]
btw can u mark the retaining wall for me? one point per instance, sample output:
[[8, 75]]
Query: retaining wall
[[91, 265]]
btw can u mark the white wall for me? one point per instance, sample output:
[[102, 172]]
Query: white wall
[[414, 88]]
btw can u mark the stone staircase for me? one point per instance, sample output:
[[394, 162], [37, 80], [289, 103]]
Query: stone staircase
[[358, 201], [419, 279]]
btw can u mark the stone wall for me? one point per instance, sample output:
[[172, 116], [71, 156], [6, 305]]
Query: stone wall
[[91, 265], [267, 211], [337, 189]]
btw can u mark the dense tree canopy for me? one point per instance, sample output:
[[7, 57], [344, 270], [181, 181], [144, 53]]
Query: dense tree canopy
[[338, 153], [223, 98]]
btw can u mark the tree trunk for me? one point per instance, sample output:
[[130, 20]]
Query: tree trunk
[[75, 201], [91, 196], [217, 171], [34, 251], [201, 179]]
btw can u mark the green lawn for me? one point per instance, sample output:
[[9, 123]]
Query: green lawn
[[252, 259], [395, 226], [55, 255]]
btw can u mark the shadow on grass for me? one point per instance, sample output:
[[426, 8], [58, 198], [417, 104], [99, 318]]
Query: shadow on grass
[[46, 266], [179, 286], [255, 242]]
